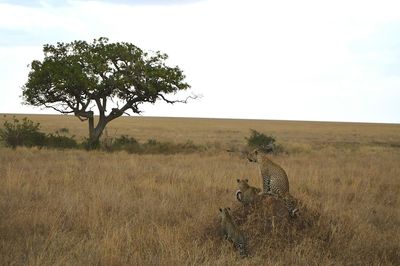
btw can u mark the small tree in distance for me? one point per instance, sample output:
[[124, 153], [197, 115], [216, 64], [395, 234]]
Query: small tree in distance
[[115, 77], [262, 142]]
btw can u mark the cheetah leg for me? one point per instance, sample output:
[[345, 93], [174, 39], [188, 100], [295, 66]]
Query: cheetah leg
[[224, 234], [268, 193]]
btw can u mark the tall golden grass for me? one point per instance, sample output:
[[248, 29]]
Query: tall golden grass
[[75, 207]]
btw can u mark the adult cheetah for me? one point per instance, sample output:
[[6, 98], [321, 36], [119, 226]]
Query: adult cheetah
[[275, 180]]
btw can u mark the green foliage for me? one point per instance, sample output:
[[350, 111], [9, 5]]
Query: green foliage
[[78, 72], [60, 142], [63, 130], [27, 133], [125, 140], [151, 146], [74, 76], [89, 144], [126, 143], [22, 133], [154, 146], [264, 143]]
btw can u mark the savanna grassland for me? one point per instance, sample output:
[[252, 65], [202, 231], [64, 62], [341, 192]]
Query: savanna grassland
[[77, 207]]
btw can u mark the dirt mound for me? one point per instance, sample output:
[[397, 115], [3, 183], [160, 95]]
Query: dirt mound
[[268, 226]]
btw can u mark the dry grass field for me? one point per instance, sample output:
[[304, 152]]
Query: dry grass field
[[75, 207]]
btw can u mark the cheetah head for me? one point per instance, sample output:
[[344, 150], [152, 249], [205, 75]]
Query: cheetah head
[[243, 183], [253, 155]]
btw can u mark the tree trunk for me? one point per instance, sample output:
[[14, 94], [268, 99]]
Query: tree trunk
[[95, 132], [91, 124]]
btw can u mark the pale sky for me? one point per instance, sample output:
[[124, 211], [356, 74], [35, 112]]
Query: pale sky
[[289, 59]]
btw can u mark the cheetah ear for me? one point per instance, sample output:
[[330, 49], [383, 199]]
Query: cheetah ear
[[246, 180], [238, 180], [220, 209], [256, 152], [228, 209]]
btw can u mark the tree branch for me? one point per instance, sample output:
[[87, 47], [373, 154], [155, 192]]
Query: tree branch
[[57, 109], [193, 97], [116, 65], [105, 103], [100, 107], [116, 112]]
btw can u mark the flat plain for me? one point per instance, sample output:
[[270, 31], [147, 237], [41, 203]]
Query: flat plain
[[77, 207]]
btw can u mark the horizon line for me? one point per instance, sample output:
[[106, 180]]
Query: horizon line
[[223, 118]]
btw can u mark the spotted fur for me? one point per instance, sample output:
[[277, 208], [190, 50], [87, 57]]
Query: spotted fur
[[232, 232], [275, 180], [246, 193]]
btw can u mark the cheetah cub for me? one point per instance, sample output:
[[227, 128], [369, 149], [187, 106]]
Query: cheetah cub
[[246, 193], [232, 232]]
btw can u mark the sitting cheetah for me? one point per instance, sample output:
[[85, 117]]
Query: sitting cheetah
[[275, 180], [246, 193], [232, 232]]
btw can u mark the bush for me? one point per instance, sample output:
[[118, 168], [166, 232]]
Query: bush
[[60, 141], [264, 143], [90, 145], [127, 143], [27, 133], [22, 133], [63, 130], [124, 140], [151, 146]]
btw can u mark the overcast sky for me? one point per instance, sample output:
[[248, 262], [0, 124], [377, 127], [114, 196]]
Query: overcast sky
[[292, 60]]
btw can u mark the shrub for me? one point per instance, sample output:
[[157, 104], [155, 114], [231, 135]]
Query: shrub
[[90, 145], [22, 133], [153, 146], [63, 130], [189, 146], [61, 142], [124, 140], [263, 142], [127, 143], [27, 133]]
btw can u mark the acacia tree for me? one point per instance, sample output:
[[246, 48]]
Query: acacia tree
[[76, 77]]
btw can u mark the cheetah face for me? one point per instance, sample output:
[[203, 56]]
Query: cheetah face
[[243, 183], [252, 156]]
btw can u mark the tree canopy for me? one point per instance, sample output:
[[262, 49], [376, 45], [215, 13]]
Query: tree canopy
[[114, 77]]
